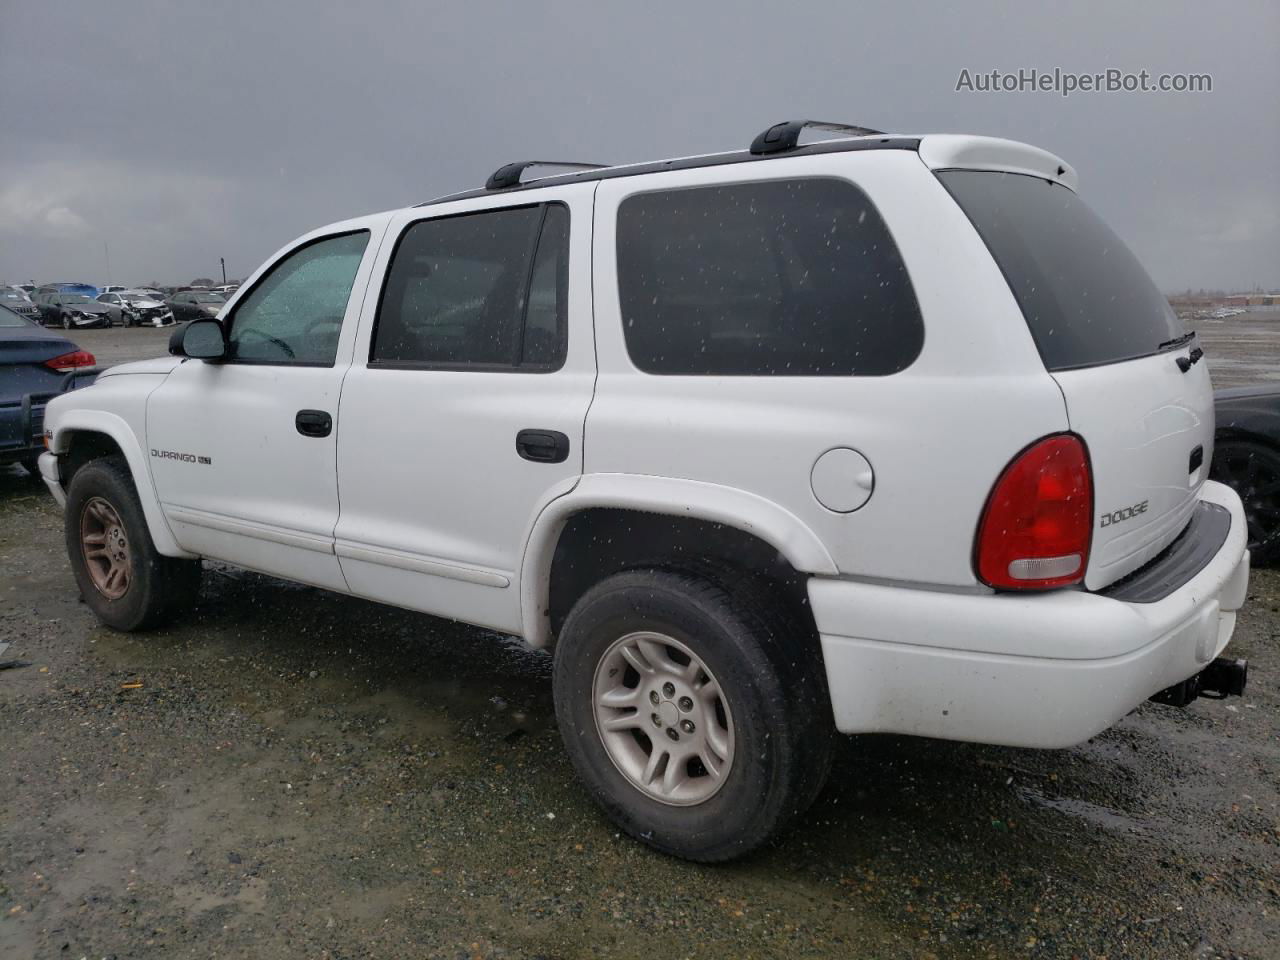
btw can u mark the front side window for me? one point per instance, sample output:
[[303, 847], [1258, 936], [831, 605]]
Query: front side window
[[776, 278], [481, 291], [294, 314]]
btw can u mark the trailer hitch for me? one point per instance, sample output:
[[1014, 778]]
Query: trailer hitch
[[1222, 678]]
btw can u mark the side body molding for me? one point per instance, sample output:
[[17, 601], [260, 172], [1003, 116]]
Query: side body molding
[[81, 420], [660, 495]]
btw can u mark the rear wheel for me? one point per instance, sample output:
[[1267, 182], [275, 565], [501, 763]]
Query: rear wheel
[[1252, 469], [66, 322], [693, 712], [124, 581]]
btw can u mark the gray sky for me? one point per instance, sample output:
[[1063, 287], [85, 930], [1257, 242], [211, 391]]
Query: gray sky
[[178, 132]]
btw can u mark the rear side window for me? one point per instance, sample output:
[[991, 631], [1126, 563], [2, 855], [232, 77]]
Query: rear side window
[[483, 291], [1085, 296], [779, 278]]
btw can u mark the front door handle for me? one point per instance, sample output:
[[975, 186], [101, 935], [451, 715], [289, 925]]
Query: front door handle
[[543, 446], [313, 423]]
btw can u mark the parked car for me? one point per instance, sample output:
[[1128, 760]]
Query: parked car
[[195, 304], [70, 310], [226, 290], [15, 299], [88, 289], [135, 308], [1246, 456], [111, 288], [34, 364], [765, 445]]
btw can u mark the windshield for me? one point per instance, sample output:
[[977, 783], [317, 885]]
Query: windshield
[[12, 295], [1086, 298], [10, 319]]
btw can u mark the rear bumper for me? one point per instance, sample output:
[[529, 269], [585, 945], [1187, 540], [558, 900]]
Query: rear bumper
[[1041, 670]]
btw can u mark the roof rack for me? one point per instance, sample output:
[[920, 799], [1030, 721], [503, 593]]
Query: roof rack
[[590, 172], [786, 136], [509, 175]]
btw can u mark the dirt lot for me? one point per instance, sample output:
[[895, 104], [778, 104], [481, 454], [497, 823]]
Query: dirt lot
[[289, 773]]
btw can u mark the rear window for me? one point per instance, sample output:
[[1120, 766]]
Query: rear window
[[778, 278], [10, 319], [1085, 296]]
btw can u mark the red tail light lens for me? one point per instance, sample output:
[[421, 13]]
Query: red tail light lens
[[70, 361], [1038, 521]]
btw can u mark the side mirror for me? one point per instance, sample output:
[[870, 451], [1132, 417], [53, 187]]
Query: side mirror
[[199, 340]]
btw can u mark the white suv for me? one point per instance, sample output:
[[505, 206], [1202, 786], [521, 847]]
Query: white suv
[[879, 433]]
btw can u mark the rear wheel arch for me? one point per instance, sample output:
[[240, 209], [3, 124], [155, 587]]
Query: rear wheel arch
[[617, 522]]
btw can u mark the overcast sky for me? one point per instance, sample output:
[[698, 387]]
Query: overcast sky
[[172, 133]]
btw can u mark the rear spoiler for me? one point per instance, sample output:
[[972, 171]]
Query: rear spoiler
[[33, 404]]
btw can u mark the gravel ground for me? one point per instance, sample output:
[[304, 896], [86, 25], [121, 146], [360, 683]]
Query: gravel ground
[[290, 773]]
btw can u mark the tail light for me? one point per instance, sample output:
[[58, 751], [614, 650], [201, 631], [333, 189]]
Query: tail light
[[1036, 527], [70, 361]]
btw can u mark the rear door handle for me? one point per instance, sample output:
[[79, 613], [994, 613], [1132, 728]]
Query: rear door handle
[[543, 446], [313, 423]]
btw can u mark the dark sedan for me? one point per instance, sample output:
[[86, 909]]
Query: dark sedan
[[195, 304], [1246, 457], [71, 311], [34, 366]]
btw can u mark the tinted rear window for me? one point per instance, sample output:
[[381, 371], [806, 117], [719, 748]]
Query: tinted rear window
[[1085, 296], [779, 278]]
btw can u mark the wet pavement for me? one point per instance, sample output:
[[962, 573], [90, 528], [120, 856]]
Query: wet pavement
[[1241, 350], [290, 773]]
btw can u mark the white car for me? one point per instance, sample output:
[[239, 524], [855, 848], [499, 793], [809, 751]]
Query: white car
[[136, 308], [874, 434]]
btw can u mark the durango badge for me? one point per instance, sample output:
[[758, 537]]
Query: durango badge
[[184, 457]]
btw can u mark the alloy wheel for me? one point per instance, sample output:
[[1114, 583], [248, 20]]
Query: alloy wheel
[[663, 718], [105, 547]]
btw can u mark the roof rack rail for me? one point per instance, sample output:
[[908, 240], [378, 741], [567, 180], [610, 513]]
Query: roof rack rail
[[786, 136], [509, 175]]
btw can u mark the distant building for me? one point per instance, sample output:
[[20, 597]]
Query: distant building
[[1252, 300]]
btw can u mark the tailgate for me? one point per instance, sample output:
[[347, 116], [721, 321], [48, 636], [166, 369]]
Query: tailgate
[[1109, 339], [1148, 427]]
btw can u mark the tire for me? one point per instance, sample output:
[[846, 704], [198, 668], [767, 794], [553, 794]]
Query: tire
[[66, 322], [1252, 469], [773, 716], [155, 587]]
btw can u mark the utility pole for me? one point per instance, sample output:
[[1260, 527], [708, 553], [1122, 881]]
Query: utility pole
[[106, 249], [223, 261]]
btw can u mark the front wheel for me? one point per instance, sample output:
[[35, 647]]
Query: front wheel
[[123, 580], [694, 712], [66, 322]]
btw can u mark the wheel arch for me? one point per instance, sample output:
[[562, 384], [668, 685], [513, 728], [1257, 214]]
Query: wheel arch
[[1248, 432], [85, 435], [747, 518]]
